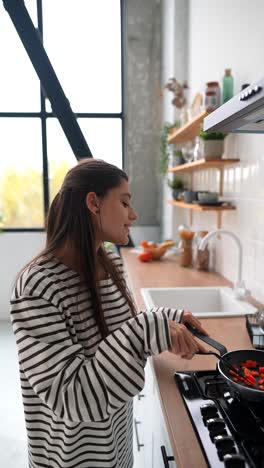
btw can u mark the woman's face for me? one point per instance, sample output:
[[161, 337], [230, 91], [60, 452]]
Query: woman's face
[[115, 216]]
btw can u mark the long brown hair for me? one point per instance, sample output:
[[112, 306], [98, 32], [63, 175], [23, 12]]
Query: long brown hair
[[69, 220]]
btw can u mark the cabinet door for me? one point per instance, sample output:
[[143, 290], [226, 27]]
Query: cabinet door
[[143, 423], [162, 454], [152, 447], [138, 453]]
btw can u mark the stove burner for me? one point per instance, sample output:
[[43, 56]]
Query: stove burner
[[215, 388], [230, 430]]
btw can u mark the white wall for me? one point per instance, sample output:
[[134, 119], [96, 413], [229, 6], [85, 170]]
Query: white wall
[[222, 35], [174, 64], [16, 249]]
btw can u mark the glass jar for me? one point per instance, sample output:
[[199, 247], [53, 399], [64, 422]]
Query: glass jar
[[210, 100], [187, 151], [202, 256], [186, 253], [197, 152], [213, 86], [186, 248]]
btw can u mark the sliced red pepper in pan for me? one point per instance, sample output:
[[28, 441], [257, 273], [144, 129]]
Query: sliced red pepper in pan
[[251, 379], [250, 364]]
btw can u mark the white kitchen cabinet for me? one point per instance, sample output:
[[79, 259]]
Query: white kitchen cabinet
[[150, 432], [162, 455], [143, 423]]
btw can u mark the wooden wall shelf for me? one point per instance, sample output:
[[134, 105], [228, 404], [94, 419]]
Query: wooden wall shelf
[[186, 133], [195, 207], [189, 131], [203, 164]]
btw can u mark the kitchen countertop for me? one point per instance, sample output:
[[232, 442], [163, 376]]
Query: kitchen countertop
[[231, 331]]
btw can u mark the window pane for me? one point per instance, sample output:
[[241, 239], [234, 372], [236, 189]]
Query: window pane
[[19, 90], [60, 156], [21, 188], [31, 6], [104, 137], [83, 41]]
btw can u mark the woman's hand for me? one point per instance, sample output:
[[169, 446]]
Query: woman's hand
[[183, 342], [189, 319]]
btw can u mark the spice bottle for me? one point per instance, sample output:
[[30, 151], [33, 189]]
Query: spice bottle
[[202, 256], [186, 247], [228, 85], [210, 100], [213, 86]]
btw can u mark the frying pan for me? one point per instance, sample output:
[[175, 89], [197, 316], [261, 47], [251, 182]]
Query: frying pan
[[234, 357]]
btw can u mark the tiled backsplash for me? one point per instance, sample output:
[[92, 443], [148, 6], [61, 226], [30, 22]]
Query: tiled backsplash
[[244, 186]]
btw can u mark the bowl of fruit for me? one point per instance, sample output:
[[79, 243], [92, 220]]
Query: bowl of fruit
[[152, 251]]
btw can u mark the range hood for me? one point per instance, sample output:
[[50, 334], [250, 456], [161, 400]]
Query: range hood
[[244, 113]]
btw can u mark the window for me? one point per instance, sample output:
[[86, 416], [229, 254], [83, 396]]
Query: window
[[83, 41]]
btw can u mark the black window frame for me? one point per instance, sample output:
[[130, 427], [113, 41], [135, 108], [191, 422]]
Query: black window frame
[[43, 115]]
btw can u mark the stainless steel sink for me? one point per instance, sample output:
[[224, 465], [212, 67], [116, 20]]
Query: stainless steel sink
[[202, 302]]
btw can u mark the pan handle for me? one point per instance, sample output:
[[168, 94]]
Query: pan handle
[[215, 344]]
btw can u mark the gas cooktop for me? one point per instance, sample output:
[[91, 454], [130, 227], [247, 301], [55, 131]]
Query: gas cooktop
[[230, 430]]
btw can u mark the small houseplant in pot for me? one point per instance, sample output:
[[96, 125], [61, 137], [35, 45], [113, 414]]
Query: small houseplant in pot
[[167, 150], [177, 186], [211, 144]]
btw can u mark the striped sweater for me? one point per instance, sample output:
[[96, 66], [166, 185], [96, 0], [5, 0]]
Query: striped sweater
[[78, 388]]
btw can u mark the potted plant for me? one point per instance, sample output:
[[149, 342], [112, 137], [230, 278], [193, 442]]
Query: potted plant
[[211, 144], [177, 186], [165, 148]]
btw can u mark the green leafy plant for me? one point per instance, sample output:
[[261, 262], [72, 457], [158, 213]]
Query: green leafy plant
[[164, 146], [211, 135], [175, 183]]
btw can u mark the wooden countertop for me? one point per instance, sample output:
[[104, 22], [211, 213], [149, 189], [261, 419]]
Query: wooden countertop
[[230, 331]]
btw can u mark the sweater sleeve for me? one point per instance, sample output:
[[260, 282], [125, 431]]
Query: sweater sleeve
[[74, 387]]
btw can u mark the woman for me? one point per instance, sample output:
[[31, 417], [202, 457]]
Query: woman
[[82, 348]]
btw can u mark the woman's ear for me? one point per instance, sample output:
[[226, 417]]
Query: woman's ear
[[92, 203]]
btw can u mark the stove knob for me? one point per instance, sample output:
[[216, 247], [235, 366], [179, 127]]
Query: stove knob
[[209, 410], [215, 425], [224, 442], [234, 461], [257, 89]]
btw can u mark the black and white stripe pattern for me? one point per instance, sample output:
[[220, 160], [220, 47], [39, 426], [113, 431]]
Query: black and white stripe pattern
[[77, 388]]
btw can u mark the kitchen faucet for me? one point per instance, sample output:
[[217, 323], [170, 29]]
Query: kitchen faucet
[[240, 290]]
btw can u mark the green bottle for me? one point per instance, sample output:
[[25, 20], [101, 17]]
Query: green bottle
[[228, 85]]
